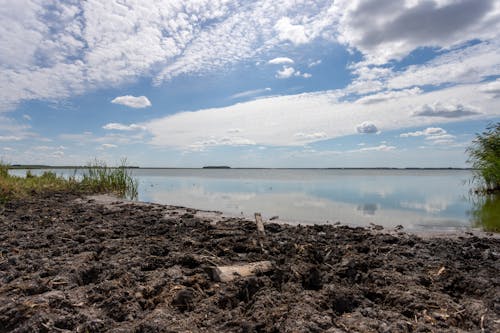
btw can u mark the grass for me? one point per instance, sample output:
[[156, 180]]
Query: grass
[[96, 178], [99, 178], [484, 155]]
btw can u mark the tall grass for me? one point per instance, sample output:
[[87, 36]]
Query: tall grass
[[484, 155], [96, 178], [99, 178], [4, 169]]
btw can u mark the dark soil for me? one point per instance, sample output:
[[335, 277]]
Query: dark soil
[[69, 264]]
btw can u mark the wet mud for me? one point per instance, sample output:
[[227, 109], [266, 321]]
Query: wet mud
[[74, 264]]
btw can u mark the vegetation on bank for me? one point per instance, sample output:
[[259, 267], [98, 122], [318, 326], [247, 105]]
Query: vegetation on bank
[[96, 178], [484, 155], [99, 178]]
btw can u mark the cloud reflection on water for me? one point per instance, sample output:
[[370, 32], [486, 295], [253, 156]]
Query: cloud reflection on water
[[299, 207]]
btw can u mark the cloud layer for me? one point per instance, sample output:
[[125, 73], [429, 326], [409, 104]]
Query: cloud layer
[[305, 118], [402, 26], [411, 64], [54, 50]]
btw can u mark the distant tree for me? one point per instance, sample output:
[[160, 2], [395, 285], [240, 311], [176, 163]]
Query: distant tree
[[484, 155]]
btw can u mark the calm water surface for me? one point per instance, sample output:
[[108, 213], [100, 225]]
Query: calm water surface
[[416, 199]]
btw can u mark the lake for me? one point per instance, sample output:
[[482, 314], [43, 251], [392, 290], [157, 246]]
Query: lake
[[416, 199]]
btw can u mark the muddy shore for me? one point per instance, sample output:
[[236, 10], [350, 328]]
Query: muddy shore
[[75, 264]]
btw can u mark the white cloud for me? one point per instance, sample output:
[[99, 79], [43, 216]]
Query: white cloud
[[26, 117], [275, 121], [377, 148], [219, 141], [311, 136], [287, 72], [294, 33], [4, 138], [85, 138], [43, 148], [11, 130], [388, 95], [250, 93], [464, 65], [440, 137], [434, 135], [492, 88], [132, 101], [108, 145], [122, 127], [55, 50], [445, 110], [367, 128], [280, 60], [246, 32], [426, 132], [314, 63], [471, 64]]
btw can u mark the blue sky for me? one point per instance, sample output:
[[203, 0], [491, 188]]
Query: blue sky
[[278, 83]]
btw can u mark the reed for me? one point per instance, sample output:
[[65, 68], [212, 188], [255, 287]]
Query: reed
[[484, 155], [100, 178]]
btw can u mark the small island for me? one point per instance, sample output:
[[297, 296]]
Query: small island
[[216, 167]]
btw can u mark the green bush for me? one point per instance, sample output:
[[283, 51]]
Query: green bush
[[484, 155]]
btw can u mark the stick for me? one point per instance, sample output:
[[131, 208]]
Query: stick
[[260, 224], [229, 273]]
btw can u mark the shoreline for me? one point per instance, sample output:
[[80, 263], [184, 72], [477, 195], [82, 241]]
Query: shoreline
[[107, 199], [74, 263]]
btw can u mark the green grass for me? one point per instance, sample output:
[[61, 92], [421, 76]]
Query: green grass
[[484, 155], [96, 178], [99, 178]]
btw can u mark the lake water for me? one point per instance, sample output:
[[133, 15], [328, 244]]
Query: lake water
[[416, 199]]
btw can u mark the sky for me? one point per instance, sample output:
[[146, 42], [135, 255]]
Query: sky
[[262, 83]]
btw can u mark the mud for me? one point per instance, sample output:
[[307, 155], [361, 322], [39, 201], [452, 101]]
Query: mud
[[73, 264]]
